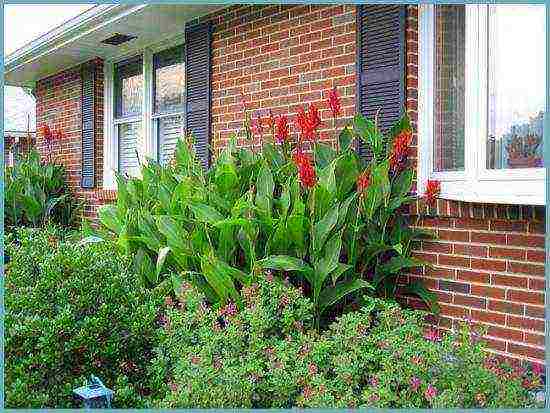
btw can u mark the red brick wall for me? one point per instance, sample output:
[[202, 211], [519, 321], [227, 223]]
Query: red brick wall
[[58, 105], [487, 265], [280, 57], [488, 261]]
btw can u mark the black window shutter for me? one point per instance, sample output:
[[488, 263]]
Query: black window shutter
[[88, 125], [381, 48], [198, 57]]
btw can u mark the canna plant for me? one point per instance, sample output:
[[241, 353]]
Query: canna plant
[[327, 219], [35, 194]]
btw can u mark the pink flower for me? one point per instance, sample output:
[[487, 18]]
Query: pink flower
[[373, 398], [373, 381], [416, 360], [229, 310], [432, 334], [430, 392], [537, 368], [312, 368], [284, 301], [415, 383]]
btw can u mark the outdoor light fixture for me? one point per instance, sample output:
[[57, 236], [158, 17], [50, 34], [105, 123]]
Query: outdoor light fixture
[[95, 395]]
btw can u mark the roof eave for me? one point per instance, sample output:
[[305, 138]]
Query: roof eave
[[67, 32]]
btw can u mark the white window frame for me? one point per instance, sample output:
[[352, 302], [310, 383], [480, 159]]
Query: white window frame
[[147, 145], [476, 183]]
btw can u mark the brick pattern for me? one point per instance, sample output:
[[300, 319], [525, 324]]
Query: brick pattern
[[58, 105], [280, 57], [488, 260]]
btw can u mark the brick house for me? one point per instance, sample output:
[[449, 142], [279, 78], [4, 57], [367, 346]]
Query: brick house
[[124, 81]]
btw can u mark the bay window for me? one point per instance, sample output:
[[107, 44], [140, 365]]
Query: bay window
[[481, 101], [144, 110]]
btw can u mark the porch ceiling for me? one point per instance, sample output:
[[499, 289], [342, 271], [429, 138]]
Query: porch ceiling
[[79, 39]]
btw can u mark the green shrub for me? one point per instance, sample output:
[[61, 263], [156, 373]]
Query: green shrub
[[35, 194], [329, 217], [268, 356], [71, 311]]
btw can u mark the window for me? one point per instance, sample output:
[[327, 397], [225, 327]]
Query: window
[[481, 101], [168, 100], [128, 109], [144, 109]]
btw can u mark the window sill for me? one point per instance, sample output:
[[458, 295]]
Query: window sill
[[527, 192]]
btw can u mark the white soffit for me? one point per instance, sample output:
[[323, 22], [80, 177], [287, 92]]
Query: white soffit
[[79, 39]]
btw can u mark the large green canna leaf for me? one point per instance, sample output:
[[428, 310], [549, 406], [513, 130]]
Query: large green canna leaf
[[324, 154], [174, 232], [327, 179], [149, 233], [206, 213], [108, 216], [395, 265], [340, 270], [429, 297], [323, 228], [327, 262], [345, 139], [402, 184], [331, 295], [219, 279], [264, 191], [284, 263], [143, 266], [346, 172]]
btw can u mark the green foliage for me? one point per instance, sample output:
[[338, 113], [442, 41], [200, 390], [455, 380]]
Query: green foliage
[[268, 356], [73, 310], [219, 228], [35, 194]]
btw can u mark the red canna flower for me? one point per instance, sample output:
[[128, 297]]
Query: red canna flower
[[271, 120], [282, 131], [256, 126], [400, 151], [363, 181], [313, 117], [46, 133], [306, 171], [433, 188], [334, 102], [302, 123]]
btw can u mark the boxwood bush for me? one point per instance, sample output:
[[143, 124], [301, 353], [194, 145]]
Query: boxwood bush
[[71, 311]]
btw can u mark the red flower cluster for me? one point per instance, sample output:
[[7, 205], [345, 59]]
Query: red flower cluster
[[271, 121], [334, 102], [400, 151], [363, 181], [433, 188], [257, 126], [308, 122], [281, 129], [306, 171]]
